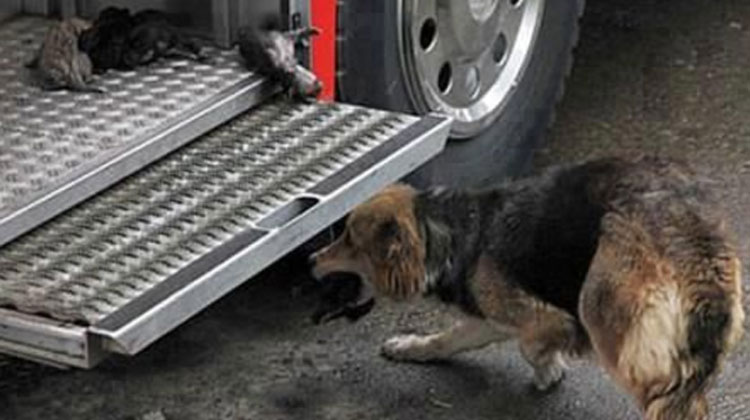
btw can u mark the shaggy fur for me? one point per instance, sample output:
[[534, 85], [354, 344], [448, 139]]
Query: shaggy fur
[[59, 62], [627, 260]]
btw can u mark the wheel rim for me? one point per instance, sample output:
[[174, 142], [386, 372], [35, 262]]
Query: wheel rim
[[466, 58]]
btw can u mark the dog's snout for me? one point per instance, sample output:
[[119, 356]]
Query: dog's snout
[[316, 88]]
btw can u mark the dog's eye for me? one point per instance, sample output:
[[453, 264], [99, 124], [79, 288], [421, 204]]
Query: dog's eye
[[350, 242]]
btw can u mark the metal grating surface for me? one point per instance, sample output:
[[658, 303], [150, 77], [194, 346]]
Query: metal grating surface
[[49, 140], [91, 261]]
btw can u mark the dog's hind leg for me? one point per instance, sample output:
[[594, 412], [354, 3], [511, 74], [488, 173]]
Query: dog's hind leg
[[77, 77], [190, 45], [659, 333], [467, 334], [547, 340], [187, 48], [634, 319], [177, 52]]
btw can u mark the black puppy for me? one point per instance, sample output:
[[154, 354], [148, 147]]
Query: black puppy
[[342, 294], [107, 39], [271, 52], [119, 40], [153, 37]]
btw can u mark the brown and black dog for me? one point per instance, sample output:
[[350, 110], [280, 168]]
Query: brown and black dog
[[627, 260]]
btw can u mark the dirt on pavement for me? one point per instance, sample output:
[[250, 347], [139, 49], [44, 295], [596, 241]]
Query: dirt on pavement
[[663, 76]]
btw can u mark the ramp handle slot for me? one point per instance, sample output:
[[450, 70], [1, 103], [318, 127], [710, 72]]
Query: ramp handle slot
[[288, 212]]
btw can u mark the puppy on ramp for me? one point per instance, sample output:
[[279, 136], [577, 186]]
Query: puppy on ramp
[[59, 62], [625, 260]]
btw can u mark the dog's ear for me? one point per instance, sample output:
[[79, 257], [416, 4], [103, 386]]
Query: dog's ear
[[402, 269]]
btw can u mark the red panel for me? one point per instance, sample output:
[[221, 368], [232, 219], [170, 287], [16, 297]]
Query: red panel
[[323, 17]]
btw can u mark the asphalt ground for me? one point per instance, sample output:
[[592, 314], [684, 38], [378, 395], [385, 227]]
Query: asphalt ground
[[658, 76]]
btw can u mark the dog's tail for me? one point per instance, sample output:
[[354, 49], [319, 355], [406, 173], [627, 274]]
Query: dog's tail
[[714, 319]]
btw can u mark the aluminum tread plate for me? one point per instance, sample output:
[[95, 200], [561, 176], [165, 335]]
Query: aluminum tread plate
[[90, 262], [58, 148]]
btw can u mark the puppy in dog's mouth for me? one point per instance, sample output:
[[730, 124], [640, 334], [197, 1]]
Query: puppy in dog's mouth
[[344, 295]]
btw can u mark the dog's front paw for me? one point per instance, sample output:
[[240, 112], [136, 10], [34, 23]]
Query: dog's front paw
[[409, 348], [549, 376]]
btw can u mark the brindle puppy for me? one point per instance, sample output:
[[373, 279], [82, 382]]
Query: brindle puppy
[[60, 63], [627, 260]]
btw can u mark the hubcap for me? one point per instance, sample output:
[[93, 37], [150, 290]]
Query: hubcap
[[465, 57]]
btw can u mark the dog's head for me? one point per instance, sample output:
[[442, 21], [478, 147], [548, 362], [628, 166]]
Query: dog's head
[[305, 84], [77, 25], [381, 245]]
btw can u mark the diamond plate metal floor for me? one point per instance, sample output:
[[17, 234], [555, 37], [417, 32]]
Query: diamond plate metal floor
[[241, 188], [58, 148]]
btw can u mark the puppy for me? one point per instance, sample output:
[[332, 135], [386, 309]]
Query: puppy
[[121, 41], [107, 39], [153, 37], [625, 260], [271, 53], [339, 298], [60, 63]]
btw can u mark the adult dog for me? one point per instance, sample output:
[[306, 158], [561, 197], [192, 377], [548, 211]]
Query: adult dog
[[624, 259]]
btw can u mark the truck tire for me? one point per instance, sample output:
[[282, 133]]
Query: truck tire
[[385, 60]]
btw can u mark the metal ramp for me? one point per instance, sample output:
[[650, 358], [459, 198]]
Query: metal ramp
[[59, 148], [123, 214], [125, 267]]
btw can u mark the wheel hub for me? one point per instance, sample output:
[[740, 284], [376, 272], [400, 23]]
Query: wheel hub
[[481, 10], [464, 58]]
